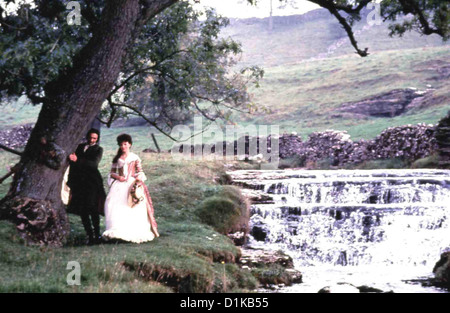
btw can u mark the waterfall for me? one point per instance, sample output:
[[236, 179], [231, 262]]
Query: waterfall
[[352, 220]]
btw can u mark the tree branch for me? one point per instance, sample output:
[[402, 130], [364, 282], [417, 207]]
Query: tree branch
[[410, 6], [150, 8], [10, 150], [139, 113], [352, 10], [334, 9], [143, 70]]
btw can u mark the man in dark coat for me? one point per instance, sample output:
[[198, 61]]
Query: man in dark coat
[[86, 185]]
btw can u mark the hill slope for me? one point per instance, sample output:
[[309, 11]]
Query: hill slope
[[316, 34], [312, 72]]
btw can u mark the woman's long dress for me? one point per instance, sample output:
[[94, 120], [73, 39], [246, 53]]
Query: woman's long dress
[[134, 224]]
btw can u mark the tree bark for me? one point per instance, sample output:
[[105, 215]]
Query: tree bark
[[71, 103]]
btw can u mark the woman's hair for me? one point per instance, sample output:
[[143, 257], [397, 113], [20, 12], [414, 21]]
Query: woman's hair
[[122, 138]]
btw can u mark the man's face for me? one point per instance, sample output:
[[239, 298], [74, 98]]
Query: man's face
[[93, 137]]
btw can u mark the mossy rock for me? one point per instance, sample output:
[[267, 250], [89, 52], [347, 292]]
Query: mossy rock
[[220, 213], [227, 212], [442, 271], [431, 161]]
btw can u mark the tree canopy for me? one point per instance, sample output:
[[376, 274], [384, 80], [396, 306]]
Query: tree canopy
[[176, 61], [166, 79]]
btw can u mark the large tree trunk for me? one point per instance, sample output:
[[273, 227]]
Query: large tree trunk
[[72, 102]]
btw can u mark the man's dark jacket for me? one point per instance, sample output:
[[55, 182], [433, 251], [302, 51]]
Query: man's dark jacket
[[85, 181]]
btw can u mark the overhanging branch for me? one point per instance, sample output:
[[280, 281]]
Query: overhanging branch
[[333, 8], [10, 150]]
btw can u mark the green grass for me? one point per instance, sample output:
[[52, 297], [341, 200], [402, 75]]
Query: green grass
[[17, 113], [187, 257]]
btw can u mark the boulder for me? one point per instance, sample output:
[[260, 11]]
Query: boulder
[[271, 268], [442, 271], [389, 104]]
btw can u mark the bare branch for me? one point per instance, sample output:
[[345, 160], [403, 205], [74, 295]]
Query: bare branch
[[334, 9], [139, 113], [143, 70], [352, 10], [6, 176], [10, 150]]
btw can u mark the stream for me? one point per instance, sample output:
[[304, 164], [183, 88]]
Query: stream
[[380, 228]]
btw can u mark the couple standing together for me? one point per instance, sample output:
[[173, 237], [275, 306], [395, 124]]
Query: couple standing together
[[128, 208]]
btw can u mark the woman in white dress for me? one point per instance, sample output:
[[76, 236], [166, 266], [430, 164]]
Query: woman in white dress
[[127, 220]]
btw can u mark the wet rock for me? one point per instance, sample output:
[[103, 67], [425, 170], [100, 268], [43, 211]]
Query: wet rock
[[339, 288], [442, 271], [349, 288], [272, 268], [238, 238], [259, 257], [259, 232]]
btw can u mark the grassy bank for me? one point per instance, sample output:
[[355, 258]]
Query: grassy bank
[[188, 257]]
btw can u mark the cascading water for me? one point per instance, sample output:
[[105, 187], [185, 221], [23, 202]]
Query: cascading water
[[378, 228]]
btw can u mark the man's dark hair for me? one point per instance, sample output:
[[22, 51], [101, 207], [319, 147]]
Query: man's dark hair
[[93, 131]]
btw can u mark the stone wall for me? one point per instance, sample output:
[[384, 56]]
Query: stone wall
[[410, 142]]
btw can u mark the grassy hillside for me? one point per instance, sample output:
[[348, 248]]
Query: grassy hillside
[[311, 69], [306, 96], [316, 34]]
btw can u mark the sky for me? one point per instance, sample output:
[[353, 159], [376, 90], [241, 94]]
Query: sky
[[241, 9]]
